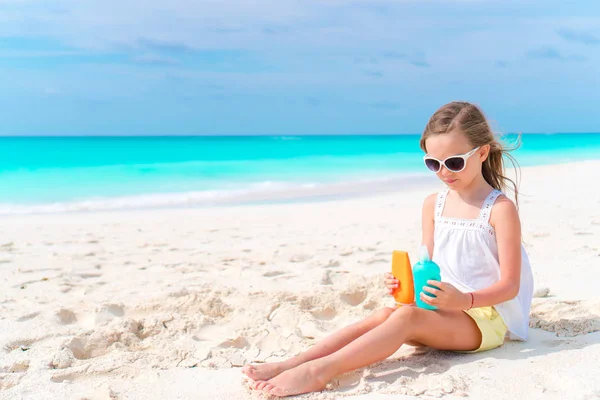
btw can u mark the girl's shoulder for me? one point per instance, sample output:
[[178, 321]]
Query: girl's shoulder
[[431, 199], [430, 202], [503, 209]]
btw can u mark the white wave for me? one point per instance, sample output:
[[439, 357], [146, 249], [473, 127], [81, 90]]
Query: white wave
[[286, 137], [260, 192]]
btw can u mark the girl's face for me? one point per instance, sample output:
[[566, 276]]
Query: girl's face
[[451, 144]]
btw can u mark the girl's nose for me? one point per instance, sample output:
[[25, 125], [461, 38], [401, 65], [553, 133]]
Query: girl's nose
[[444, 171]]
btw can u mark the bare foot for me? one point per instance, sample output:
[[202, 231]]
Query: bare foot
[[263, 372], [305, 378]]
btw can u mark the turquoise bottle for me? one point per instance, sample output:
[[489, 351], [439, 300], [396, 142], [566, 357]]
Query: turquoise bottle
[[423, 271]]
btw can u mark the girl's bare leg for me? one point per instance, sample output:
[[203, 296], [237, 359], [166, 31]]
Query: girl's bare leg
[[327, 346], [443, 330]]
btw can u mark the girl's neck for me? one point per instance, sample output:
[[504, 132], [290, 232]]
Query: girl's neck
[[475, 191]]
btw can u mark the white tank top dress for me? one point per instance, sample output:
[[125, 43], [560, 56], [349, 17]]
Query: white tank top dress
[[467, 254]]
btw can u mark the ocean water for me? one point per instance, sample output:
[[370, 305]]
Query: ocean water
[[58, 174]]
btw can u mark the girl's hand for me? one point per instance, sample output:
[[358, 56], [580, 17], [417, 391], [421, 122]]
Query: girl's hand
[[447, 297], [391, 283]]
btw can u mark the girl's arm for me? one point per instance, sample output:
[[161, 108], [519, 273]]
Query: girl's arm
[[427, 227], [427, 222], [506, 222]]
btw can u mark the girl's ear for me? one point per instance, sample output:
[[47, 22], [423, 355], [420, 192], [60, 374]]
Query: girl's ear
[[484, 152]]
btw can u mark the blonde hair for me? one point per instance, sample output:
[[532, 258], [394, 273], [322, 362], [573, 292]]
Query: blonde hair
[[470, 120]]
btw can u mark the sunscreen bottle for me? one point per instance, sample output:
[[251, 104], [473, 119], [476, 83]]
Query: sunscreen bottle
[[405, 293], [425, 270]]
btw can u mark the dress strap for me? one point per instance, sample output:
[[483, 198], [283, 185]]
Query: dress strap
[[486, 209], [439, 204]]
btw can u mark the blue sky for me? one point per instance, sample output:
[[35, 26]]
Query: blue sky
[[294, 67]]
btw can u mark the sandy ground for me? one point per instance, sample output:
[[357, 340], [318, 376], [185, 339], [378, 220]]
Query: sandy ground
[[168, 304]]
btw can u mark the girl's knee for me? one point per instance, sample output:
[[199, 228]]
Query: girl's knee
[[382, 315], [406, 314]]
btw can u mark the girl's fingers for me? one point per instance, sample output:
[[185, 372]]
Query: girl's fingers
[[428, 299], [431, 290], [437, 284]]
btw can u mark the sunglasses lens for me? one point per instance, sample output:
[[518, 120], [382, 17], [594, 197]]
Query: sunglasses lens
[[433, 165], [455, 164]]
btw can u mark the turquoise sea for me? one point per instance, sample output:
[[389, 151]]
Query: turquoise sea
[[57, 174]]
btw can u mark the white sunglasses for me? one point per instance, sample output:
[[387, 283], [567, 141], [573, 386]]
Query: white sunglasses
[[453, 163]]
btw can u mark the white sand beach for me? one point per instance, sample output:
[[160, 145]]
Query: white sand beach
[[169, 304]]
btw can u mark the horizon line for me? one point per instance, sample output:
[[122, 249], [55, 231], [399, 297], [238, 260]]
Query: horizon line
[[267, 135]]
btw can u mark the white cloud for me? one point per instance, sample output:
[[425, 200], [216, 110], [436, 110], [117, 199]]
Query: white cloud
[[38, 53], [155, 59], [51, 91], [303, 42], [249, 24]]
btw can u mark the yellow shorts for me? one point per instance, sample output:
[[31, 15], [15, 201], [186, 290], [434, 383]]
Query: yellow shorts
[[492, 327]]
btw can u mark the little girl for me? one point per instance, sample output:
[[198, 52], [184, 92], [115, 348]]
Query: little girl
[[473, 232]]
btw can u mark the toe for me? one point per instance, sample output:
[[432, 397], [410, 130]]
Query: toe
[[267, 388], [276, 391], [249, 370], [261, 385]]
